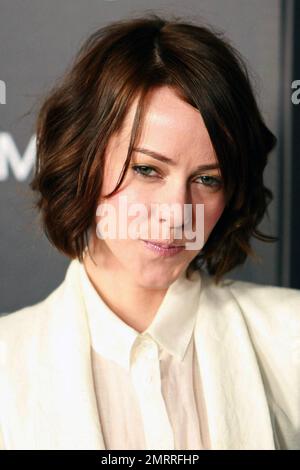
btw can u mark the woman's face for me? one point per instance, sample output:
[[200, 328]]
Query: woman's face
[[176, 130]]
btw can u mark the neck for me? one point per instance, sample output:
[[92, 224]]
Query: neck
[[132, 303]]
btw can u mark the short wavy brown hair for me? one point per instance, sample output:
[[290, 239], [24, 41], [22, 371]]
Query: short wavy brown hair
[[119, 62]]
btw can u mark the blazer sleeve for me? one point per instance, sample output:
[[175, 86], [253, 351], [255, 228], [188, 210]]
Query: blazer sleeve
[[272, 316]]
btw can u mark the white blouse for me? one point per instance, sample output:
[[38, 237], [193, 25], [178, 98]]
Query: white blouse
[[147, 385]]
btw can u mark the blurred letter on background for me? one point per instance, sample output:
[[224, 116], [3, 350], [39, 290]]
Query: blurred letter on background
[[2, 92]]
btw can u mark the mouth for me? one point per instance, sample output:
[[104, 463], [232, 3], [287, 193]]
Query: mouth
[[164, 244], [163, 249]]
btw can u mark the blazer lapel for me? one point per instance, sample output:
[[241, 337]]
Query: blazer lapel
[[65, 413], [235, 398]]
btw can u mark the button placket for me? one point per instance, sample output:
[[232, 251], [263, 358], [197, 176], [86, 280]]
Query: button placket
[[145, 372], [145, 362]]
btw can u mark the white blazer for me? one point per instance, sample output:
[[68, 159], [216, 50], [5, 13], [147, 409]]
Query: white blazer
[[247, 339]]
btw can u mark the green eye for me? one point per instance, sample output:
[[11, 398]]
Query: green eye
[[211, 181], [143, 170]]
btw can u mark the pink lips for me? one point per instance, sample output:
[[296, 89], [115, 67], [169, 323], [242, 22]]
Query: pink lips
[[163, 248]]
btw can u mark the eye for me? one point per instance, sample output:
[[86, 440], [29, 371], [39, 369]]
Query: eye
[[143, 170], [211, 181]]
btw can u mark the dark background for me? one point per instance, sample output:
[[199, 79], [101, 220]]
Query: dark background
[[295, 222]]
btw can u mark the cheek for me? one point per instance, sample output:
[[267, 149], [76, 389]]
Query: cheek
[[213, 212], [119, 207]]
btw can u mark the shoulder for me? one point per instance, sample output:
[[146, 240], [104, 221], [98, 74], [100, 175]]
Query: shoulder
[[275, 301], [263, 293], [26, 326], [263, 305], [271, 315], [260, 292], [38, 312], [18, 326], [271, 305]]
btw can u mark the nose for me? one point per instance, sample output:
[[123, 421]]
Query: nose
[[175, 205]]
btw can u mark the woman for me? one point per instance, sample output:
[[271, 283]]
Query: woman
[[144, 345]]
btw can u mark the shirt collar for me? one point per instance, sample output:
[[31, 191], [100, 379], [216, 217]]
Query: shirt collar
[[171, 328]]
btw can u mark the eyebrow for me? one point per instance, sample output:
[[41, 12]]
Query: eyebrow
[[164, 159]]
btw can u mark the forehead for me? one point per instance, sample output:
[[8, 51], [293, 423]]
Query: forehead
[[171, 126]]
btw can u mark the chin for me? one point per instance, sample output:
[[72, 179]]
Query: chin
[[156, 278]]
